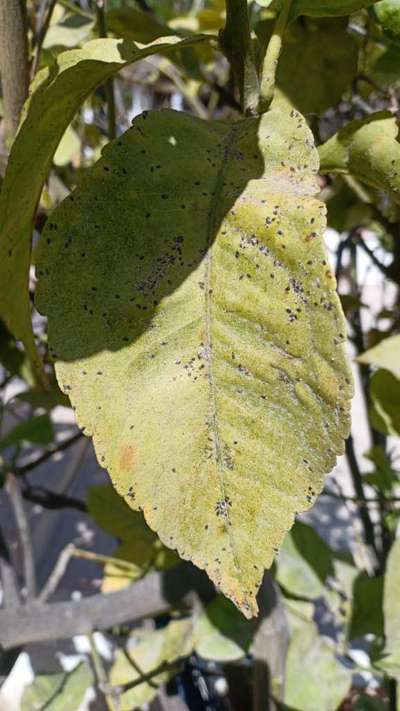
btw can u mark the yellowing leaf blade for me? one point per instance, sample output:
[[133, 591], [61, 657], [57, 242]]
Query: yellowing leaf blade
[[198, 332]]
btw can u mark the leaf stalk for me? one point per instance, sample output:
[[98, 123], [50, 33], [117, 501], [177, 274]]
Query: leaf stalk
[[270, 64]]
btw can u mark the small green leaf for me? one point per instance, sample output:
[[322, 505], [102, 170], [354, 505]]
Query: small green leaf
[[198, 332], [304, 563], [37, 429], [151, 657], [388, 14], [221, 632], [367, 612], [385, 355], [12, 358], [58, 692], [368, 149], [113, 515], [311, 661], [56, 94]]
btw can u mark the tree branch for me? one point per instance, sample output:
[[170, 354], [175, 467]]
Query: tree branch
[[24, 535], [153, 595], [14, 69]]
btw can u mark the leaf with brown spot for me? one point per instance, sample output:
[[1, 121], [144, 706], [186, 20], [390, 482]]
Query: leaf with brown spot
[[197, 326]]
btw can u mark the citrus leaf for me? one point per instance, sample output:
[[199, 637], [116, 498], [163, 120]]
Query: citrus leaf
[[318, 65], [221, 633], [58, 692], [56, 94], [385, 396], [388, 14], [310, 651], [391, 610], [367, 615], [198, 332], [304, 563], [38, 429], [329, 8], [151, 659], [368, 149], [385, 355], [135, 25]]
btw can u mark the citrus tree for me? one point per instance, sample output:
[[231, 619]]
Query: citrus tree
[[166, 275]]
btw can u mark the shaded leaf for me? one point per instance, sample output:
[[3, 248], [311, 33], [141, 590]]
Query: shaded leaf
[[199, 334], [311, 660], [37, 429], [56, 94], [368, 149], [385, 355], [329, 8], [152, 657], [318, 64], [367, 612], [142, 555], [132, 24], [12, 358], [221, 632], [58, 692], [304, 563], [385, 396]]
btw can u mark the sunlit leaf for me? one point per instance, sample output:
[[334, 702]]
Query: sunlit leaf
[[311, 661], [198, 332], [368, 149], [388, 14], [153, 658], [221, 632], [391, 611], [63, 691], [68, 147], [304, 563], [70, 31], [385, 355], [56, 94]]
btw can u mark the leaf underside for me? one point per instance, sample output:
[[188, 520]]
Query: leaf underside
[[196, 328]]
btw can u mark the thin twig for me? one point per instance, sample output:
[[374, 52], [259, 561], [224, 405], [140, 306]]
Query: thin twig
[[109, 84], [65, 444], [51, 499], [24, 535], [109, 693], [46, 10], [11, 596]]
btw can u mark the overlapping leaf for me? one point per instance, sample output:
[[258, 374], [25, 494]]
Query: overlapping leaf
[[329, 8], [56, 95], [196, 328], [369, 149]]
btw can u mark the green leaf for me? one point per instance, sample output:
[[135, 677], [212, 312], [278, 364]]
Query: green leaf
[[367, 613], [135, 25], [391, 599], [368, 149], [388, 14], [385, 395], [70, 31], [12, 358], [304, 563], [152, 656], [37, 429], [385, 355], [113, 515], [221, 632], [198, 332], [311, 662], [329, 8], [317, 65], [58, 692], [56, 94]]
